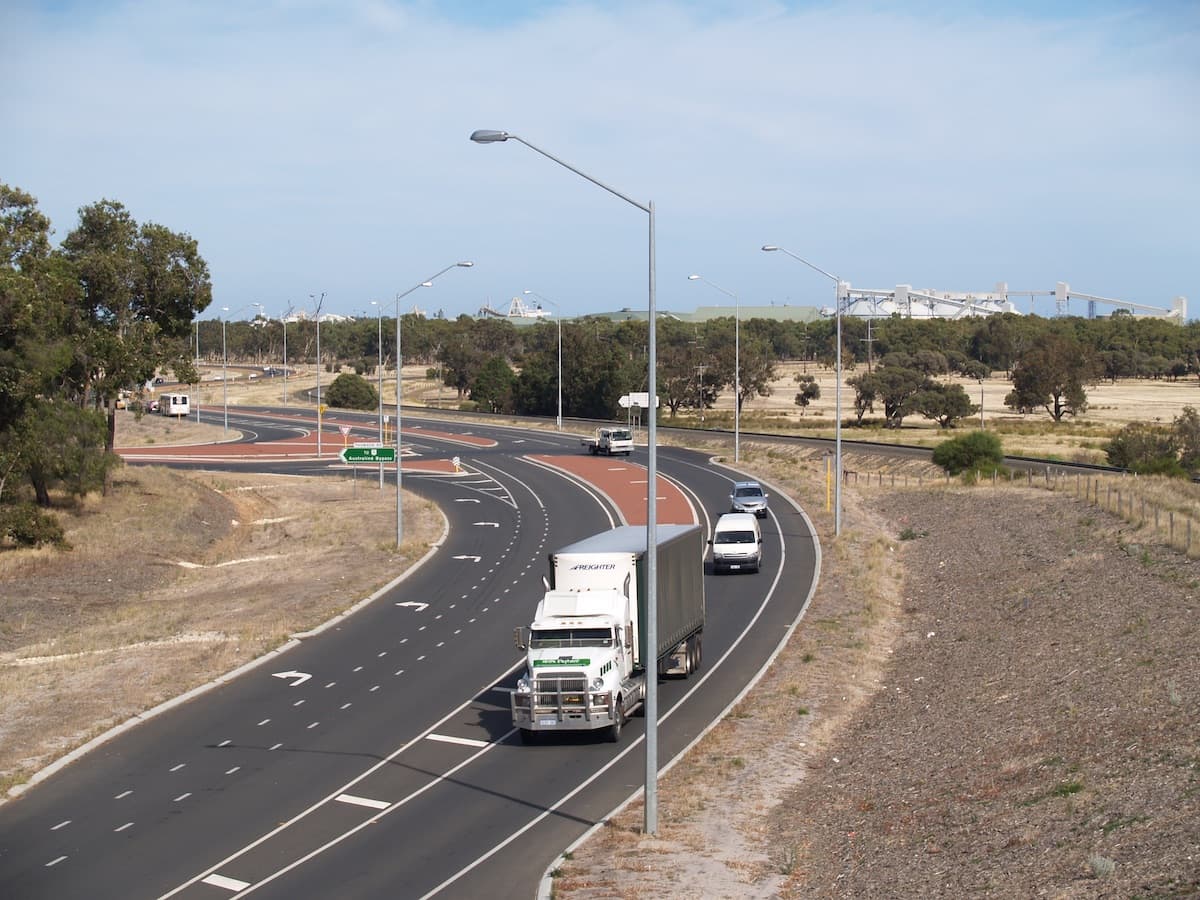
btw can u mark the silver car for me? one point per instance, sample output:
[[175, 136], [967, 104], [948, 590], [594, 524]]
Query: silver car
[[748, 497]]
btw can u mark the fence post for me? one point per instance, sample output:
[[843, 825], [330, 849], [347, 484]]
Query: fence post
[[1171, 528]]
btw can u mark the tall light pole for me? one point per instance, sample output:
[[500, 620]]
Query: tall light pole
[[225, 367], [737, 365], [837, 429], [262, 314], [557, 318], [651, 824], [283, 317], [428, 282], [379, 377], [318, 303]]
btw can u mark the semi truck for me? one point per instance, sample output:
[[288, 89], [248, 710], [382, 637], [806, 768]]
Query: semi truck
[[609, 441], [587, 659]]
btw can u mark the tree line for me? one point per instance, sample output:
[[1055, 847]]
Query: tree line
[[118, 303]]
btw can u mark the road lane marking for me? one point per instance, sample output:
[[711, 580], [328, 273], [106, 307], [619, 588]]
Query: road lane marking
[[182, 797], [234, 769], [230, 884], [448, 739], [61, 825], [263, 722], [178, 767], [55, 862], [363, 801], [122, 795], [123, 827]]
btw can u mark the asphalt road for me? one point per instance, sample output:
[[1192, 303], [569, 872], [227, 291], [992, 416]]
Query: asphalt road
[[377, 758]]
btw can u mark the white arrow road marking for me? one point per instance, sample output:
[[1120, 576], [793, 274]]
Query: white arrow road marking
[[472, 558], [466, 500], [300, 677], [487, 524], [419, 607], [363, 801], [230, 884]]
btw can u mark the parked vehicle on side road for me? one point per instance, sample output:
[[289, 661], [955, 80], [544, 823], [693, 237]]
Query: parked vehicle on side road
[[586, 656], [748, 497], [736, 544]]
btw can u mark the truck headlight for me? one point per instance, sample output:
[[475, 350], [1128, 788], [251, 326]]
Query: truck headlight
[[523, 685], [597, 683]]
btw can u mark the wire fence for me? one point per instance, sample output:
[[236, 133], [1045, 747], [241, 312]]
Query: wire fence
[[1120, 495]]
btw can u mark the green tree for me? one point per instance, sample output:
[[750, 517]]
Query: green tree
[[141, 289], [1187, 438], [809, 391], [350, 391], [1051, 374], [492, 389], [943, 403], [1144, 448], [894, 386]]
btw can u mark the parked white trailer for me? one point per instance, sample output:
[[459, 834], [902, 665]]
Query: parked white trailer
[[586, 656]]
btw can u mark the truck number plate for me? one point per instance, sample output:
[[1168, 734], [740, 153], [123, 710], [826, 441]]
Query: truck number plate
[[550, 721]]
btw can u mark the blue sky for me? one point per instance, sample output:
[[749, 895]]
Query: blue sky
[[317, 146]]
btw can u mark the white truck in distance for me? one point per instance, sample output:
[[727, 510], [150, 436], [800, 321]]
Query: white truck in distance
[[586, 656], [609, 441]]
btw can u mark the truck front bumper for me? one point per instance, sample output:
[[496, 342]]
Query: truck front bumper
[[575, 711]]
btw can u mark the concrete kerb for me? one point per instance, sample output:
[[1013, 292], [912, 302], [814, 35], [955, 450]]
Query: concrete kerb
[[64, 761], [545, 889]]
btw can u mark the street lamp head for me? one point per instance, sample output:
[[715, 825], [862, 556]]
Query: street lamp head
[[486, 136], [769, 247], [693, 278], [466, 264]]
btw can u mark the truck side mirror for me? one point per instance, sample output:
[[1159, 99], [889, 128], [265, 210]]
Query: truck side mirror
[[519, 638]]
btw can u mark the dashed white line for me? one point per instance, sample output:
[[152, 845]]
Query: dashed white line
[[61, 825], [331, 684], [363, 801], [226, 743], [123, 827], [398, 672], [55, 862], [182, 797], [374, 689], [230, 884], [346, 705], [177, 768], [298, 703], [382, 655], [448, 739], [234, 769], [314, 725], [122, 795], [263, 722], [276, 747], [358, 668]]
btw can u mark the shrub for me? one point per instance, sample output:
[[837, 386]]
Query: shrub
[[978, 450], [351, 392], [28, 526]]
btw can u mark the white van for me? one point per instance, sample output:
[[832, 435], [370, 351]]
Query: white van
[[737, 543]]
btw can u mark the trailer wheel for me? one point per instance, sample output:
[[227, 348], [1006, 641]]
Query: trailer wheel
[[698, 652]]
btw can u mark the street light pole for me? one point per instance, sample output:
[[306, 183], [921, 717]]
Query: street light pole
[[379, 377], [318, 304], [651, 704], [737, 365], [428, 282], [837, 429], [283, 317], [225, 368], [558, 319]]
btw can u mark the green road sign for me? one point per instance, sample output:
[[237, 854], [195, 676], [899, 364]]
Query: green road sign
[[368, 454]]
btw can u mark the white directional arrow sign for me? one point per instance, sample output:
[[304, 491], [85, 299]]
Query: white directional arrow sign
[[300, 677], [472, 558], [419, 607], [487, 524]]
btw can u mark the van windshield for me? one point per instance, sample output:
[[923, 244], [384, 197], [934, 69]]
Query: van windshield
[[553, 638], [734, 537]]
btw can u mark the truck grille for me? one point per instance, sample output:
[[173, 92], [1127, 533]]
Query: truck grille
[[566, 689]]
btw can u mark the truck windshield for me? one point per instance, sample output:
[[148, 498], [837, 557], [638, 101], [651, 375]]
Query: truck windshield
[[552, 638], [734, 537], [621, 436]]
